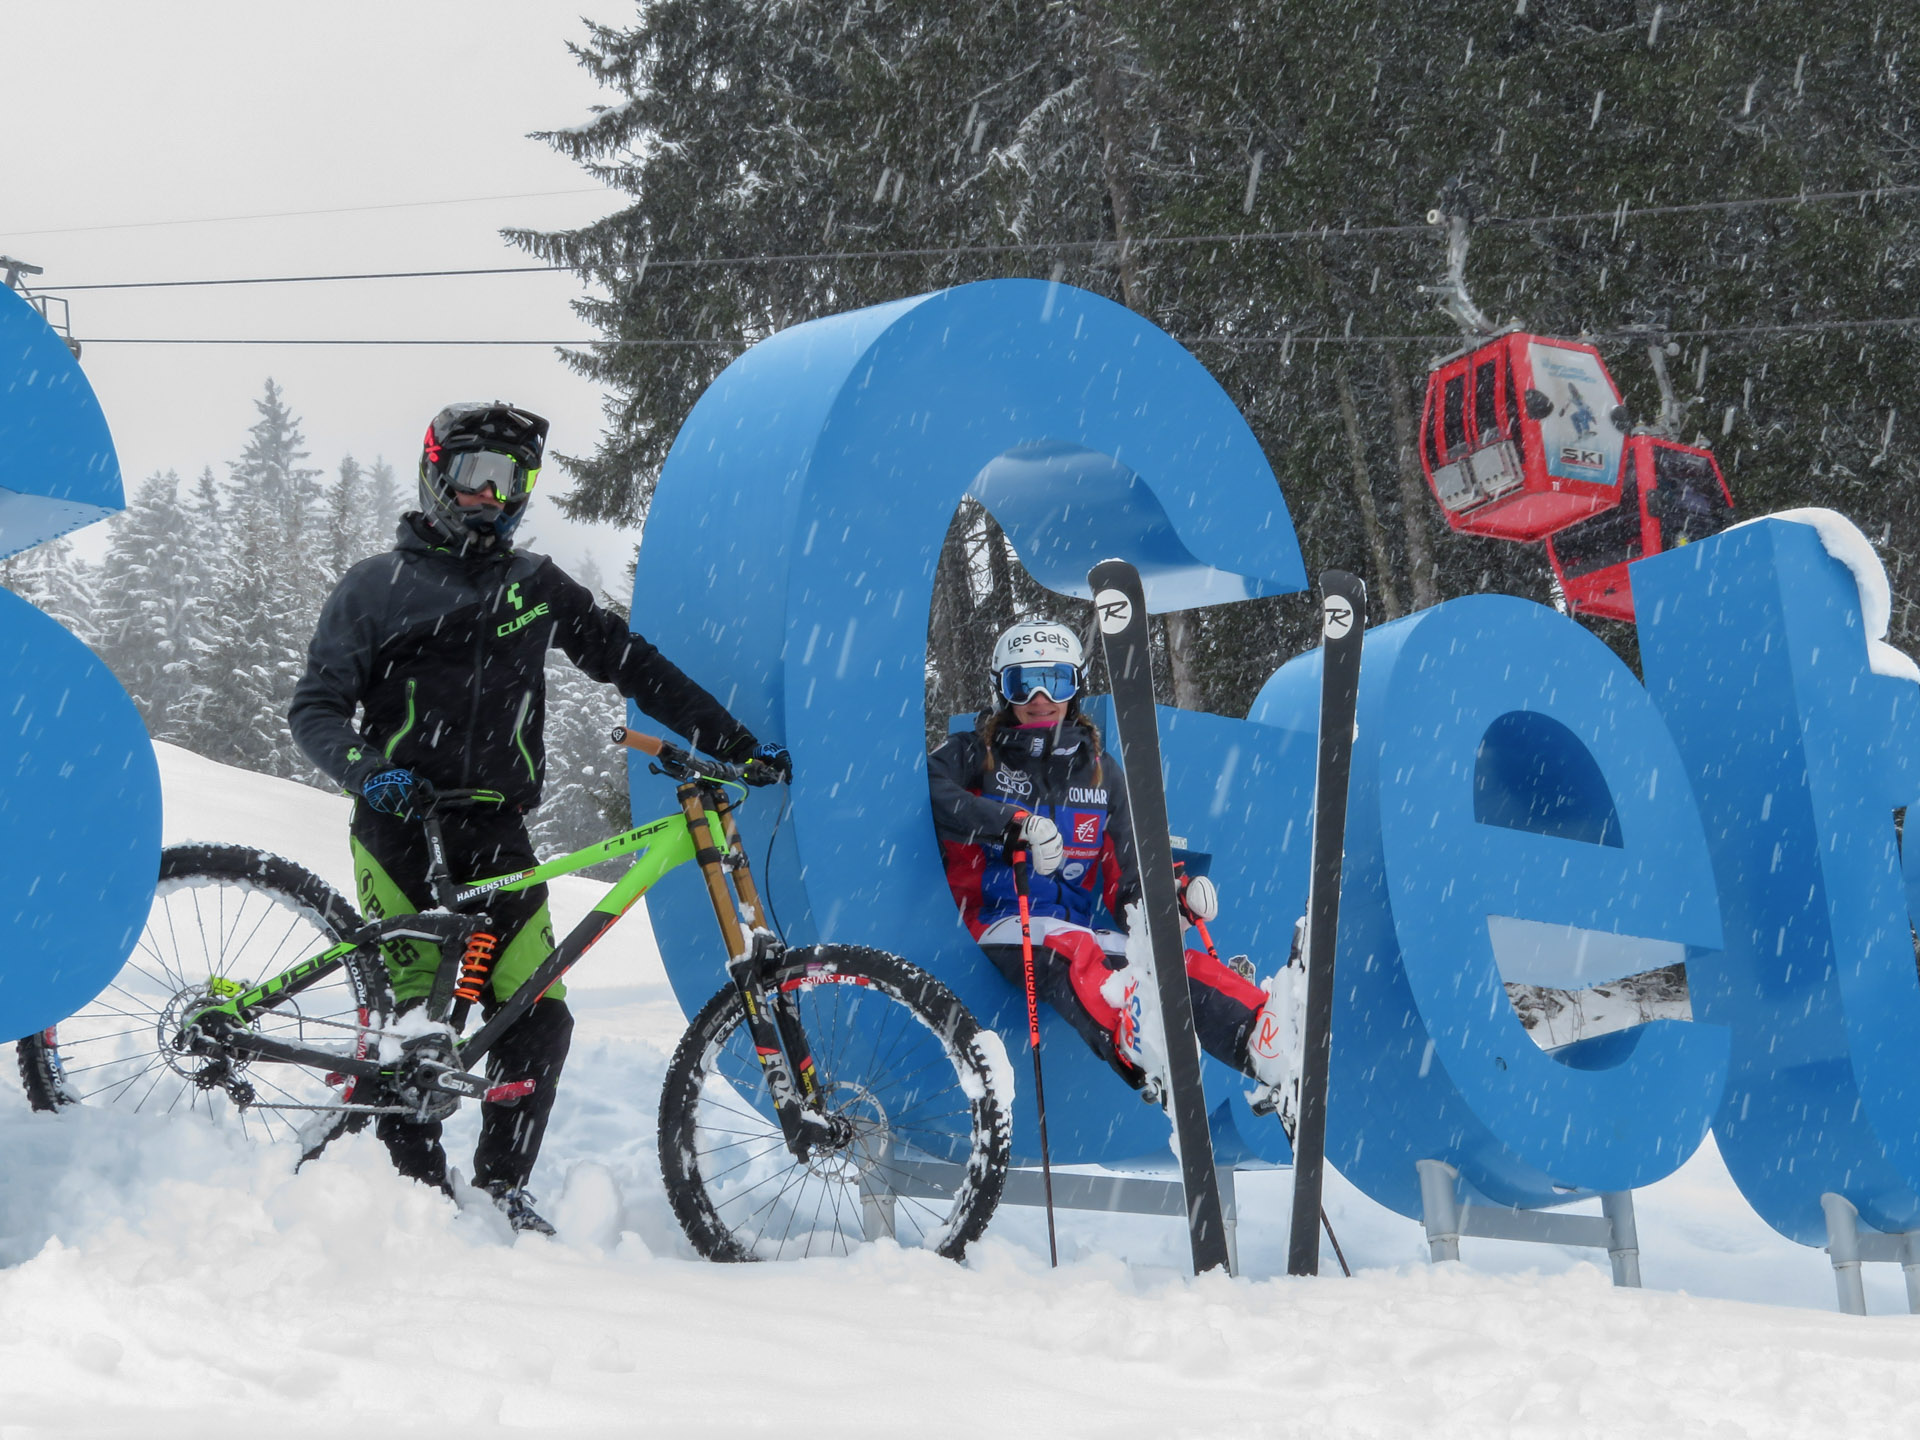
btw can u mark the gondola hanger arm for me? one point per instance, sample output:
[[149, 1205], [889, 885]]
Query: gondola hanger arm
[[1452, 291]]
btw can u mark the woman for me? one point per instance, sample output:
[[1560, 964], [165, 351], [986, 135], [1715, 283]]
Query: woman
[[1031, 778]]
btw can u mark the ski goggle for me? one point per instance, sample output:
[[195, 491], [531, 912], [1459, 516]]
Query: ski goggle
[[472, 471], [1059, 682]]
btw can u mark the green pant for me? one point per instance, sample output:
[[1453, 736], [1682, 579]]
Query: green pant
[[390, 869]]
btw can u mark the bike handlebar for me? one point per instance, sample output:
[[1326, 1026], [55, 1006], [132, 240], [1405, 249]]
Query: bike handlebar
[[675, 762]]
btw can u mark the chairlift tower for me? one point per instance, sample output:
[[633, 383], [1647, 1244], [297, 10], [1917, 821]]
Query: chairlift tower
[[53, 308]]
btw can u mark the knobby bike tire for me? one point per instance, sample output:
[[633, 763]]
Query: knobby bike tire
[[899, 1056], [240, 914]]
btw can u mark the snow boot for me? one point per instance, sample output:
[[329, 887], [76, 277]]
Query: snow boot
[[517, 1205]]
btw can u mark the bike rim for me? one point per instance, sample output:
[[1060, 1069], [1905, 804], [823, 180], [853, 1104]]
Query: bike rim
[[117, 1052], [906, 1111]]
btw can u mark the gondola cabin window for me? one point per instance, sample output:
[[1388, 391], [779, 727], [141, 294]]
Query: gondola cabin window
[[1674, 494]]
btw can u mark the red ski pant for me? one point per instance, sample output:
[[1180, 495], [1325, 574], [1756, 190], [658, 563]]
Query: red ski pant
[[1071, 965]]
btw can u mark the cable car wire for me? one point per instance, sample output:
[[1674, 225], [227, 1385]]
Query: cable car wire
[[1619, 215], [1635, 335], [271, 340], [299, 214]]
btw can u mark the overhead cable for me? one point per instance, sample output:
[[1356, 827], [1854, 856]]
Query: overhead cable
[[300, 214], [1618, 216], [270, 340], [1285, 338]]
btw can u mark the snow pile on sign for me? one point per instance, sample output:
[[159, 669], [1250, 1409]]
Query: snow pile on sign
[[1841, 539], [160, 1278]]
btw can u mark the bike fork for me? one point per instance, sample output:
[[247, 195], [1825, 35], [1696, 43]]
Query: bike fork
[[779, 1042], [786, 1061]]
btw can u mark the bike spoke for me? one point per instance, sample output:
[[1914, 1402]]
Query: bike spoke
[[121, 1086]]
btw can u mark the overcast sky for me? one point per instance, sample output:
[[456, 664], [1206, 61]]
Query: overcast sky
[[130, 128]]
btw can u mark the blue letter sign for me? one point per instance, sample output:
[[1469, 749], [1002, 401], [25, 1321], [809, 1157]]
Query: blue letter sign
[[1522, 809], [1803, 759], [789, 561], [80, 805], [1508, 768]]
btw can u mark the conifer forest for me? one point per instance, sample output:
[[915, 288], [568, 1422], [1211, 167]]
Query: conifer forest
[[1734, 179]]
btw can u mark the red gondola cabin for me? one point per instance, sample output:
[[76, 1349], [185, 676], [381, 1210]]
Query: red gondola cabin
[[1521, 436], [1673, 494]]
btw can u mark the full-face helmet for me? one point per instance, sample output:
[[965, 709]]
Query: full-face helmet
[[473, 448]]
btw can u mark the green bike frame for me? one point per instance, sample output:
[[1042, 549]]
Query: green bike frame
[[698, 833], [654, 849]]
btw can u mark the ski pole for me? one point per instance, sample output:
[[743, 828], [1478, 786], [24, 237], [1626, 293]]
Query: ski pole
[[1338, 1253], [1206, 939], [1015, 859]]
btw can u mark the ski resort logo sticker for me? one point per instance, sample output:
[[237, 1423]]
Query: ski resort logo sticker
[[1012, 782], [1339, 616], [1115, 611]]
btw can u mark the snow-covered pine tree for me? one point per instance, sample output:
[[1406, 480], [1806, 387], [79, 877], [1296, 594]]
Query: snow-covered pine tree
[[155, 607], [205, 504], [268, 589], [58, 581], [347, 524], [752, 127], [237, 713], [387, 501], [1309, 141]]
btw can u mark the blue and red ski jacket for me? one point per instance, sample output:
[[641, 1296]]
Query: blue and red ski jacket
[[1058, 773]]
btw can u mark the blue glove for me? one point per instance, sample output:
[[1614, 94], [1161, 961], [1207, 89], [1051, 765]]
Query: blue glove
[[390, 790], [769, 764]]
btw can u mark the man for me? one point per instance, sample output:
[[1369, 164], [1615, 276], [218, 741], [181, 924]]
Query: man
[[441, 643]]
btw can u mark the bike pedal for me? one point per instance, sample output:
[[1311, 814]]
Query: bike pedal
[[511, 1093]]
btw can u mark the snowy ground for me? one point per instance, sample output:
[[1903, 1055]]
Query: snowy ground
[[162, 1278]]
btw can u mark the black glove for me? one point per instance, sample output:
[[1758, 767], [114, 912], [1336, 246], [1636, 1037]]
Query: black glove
[[391, 791], [769, 764]]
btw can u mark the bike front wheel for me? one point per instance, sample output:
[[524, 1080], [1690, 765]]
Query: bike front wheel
[[222, 915], [907, 1079]]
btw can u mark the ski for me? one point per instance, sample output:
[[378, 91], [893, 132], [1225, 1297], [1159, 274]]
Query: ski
[[1343, 599], [1121, 612]]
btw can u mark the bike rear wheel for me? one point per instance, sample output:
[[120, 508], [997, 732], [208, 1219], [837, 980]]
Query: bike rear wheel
[[903, 1067], [229, 913]]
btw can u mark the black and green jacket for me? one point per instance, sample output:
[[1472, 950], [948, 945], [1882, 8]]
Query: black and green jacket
[[445, 652]]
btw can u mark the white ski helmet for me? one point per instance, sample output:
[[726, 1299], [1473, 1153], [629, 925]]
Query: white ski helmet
[[1035, 656]]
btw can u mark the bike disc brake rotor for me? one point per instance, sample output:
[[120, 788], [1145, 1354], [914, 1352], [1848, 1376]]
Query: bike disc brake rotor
[[868, 1137]]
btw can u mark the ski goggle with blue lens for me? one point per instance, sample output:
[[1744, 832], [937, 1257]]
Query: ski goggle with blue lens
[[472, 471], [1059, 682]]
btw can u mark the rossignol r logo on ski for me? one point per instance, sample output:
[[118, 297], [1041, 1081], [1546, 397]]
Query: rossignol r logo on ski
[[1115, 611]]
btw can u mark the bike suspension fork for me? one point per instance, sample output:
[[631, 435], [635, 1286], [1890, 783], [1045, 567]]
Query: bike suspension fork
[[779, 1042]]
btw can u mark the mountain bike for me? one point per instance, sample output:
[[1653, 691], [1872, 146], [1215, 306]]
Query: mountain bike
[[827, 1095]]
